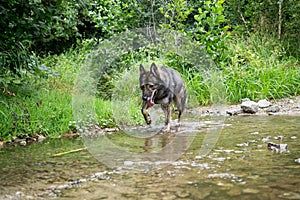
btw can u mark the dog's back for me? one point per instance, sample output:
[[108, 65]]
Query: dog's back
[[176, 86]]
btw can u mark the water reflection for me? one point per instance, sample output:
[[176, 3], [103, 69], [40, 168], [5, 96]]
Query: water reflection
[[144, 147]]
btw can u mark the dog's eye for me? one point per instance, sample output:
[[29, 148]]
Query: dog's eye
[[151, 86], [142, 87]]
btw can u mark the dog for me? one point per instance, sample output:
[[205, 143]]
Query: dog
[[162, 85]]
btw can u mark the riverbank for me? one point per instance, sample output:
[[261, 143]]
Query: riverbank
[[284, 106]]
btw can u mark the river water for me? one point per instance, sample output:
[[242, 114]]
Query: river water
[[236, 165]]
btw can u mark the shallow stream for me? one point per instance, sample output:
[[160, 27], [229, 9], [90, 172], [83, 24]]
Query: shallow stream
[[239, 166]]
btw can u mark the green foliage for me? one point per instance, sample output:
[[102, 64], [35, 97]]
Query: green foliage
[[258, 68], [176, 14], [46, 25], [202, 20], [210, 29], [114, 16], [63, 68], [18, 65], [278, 18]]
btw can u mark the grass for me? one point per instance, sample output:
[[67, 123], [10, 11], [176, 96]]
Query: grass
[[44, 112], [257, 67]]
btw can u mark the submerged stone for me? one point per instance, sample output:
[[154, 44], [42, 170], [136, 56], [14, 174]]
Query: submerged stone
[[277, 147], [245, 144], [234, 192], [250, 191], [234, 112]]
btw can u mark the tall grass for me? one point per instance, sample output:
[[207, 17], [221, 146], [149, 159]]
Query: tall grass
[[45, 112], [257, 67], [42, 104]]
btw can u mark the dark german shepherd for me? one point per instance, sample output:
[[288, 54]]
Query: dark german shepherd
[[162, 85]]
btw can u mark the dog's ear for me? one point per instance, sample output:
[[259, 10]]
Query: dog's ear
[[142, 69], [154, 69]]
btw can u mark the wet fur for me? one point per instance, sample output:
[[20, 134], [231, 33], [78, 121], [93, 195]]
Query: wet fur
[[164, 86]]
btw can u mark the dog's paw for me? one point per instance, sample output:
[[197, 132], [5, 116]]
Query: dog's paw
[[166, 129]]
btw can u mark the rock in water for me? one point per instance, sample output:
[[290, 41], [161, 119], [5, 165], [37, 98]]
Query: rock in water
[[249, 107], [277, 147], [234, 112], [273, 109], [264, 103]]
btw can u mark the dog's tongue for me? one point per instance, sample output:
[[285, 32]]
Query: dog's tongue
[[150, 100]]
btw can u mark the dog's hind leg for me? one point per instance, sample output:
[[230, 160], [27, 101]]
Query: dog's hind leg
[[180, 105]]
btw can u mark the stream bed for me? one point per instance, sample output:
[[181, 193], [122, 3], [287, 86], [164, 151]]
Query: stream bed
[[239, 166]]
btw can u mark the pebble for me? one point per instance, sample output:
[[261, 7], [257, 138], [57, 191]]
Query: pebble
[[266, 139], [234, 192], [221, 159], [264, 103], [290, 195], [297, 160], [250, 191], [62, 187], [23, 143], [245, 144], [18, 193], [294, 137], [280, 137], [128, 163], [238, 152], [183, 194], [198, 157]]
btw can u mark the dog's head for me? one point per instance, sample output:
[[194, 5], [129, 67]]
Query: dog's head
[[149, 83]]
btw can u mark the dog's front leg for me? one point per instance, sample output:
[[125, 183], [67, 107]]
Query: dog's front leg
[[167, 111], [145, 113]]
